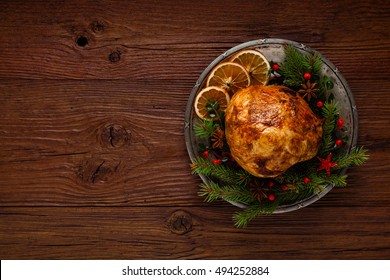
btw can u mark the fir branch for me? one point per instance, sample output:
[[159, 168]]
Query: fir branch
[[330, 109], [312, 64], [220, 171], [295, 195], [208, 192], [242, 218], [296, 64], [357, 156], [317, 64], [322, 179], [293, 67], [205, 128], [213, 191], [296, 173], [330, 113]]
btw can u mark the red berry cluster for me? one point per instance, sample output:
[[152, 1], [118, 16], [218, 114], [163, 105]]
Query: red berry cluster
[[271, 184], [340, 124]]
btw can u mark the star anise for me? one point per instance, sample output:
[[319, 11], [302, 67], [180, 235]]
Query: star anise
[[308, 90], [258, 190], [217, 138]]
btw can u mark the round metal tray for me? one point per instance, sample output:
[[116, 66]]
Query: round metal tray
[[272, 49]]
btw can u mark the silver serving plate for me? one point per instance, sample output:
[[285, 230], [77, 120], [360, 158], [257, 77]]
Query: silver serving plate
[[272, 49]]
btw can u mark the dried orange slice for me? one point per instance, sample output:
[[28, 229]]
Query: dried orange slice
[[209, 100], [229, 76], [255, 64]]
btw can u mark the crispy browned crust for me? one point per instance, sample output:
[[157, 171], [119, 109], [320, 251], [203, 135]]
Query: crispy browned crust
[[269, 129]]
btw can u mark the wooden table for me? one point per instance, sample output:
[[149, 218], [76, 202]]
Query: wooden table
[[93, 162]]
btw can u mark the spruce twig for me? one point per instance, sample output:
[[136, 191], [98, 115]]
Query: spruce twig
[[242, 218], [220, 171], [213, 191], [292, 68], [322, 179], [295, 195], [357, 156], [205, 128], [296, 65], [330, 113]]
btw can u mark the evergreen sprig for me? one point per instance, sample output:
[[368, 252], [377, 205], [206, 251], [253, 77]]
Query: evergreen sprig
[[203, 166], [330, 113], [357, 156], [322, 179], [213, 191], [313, 63], [205, 128], [295, 195], [242, 218], [296, 65]]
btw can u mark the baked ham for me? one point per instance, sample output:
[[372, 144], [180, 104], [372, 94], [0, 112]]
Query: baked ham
[[270, 128]]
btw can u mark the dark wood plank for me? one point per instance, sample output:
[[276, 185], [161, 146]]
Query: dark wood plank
[[127, 40], [192, 233]]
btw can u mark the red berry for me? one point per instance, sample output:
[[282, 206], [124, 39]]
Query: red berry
[[271, 197], [306, 180], [339, 142], [307, 76], [206, 153], [340, 124], [275, 66], [284, 187], [217, 161], [320, 104], [270, 184]]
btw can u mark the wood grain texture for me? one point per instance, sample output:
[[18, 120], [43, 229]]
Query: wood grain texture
[[93, 162], [144, 232]]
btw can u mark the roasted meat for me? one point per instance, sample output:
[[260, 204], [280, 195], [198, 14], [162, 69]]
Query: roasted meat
[[270, 128]]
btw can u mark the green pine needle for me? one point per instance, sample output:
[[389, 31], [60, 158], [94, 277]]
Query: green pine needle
[[242, 218], [323, 179], [213, 191], [357, 156], [330, 113], [296, 65], [292, 68], [312, 63], [221, 172], [293, 196], [330, 109], [205, 128]]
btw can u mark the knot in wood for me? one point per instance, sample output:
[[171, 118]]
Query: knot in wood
[[82, 41], [115, 136], [114, 56], [180, 222], [98, 26], [97, 171]]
